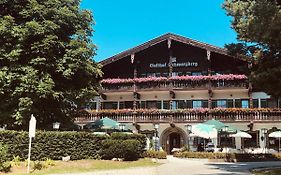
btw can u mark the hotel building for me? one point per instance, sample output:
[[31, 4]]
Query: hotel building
[[173, 81]]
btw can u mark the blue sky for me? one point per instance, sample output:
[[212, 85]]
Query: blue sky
[[123, 24]]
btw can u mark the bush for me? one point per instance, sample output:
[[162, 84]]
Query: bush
[[230, 157], [201, 155], [5, 165], [121, 136], [38, 165], [156, 154], [55, 145], [124, 149]]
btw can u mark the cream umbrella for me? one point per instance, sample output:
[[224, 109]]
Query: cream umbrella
[[276, 134], [241, 134]]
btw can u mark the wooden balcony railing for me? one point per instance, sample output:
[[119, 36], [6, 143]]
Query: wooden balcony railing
[[184, 116], [185, 82]]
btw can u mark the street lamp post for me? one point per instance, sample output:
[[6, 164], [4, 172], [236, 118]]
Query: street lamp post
[[156, 127], [188, 130], [263, 137]]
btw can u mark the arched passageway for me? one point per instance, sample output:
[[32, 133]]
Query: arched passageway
[[172, 137]]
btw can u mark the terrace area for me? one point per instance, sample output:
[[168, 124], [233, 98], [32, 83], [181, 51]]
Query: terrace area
[[181, 116], [178, 82]]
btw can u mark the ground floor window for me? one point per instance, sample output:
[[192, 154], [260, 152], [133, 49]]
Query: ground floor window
[[251, 142]]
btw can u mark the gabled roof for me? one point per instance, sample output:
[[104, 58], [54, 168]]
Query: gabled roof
[[168, 36]]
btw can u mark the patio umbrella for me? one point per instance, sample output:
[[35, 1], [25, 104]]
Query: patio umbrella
[[219, 125], [104, 123], [241, 134], [204, 131], [276, 134]]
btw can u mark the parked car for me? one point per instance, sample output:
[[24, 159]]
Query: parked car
[[210, 147]]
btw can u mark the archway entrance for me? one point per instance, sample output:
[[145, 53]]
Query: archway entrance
[[173, 137]]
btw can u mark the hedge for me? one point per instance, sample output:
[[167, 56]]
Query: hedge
[[126, 149], [156, 154], [55, 145], [230, 157], [5, 165]]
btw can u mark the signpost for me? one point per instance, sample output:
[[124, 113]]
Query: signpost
[[32, 129]]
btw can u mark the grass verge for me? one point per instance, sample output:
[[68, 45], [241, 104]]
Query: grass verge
[[82, 166], [275, 171]]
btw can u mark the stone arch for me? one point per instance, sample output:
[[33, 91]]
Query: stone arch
[[172, 137]]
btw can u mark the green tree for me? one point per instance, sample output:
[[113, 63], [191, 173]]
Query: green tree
[[258, 27], [46, 65]]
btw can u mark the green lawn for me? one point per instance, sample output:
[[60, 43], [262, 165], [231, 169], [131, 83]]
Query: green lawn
[[268, 172], [83, 166]]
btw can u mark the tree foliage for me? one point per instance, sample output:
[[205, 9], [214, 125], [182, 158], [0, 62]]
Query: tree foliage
[[258, 27], [46, 65]]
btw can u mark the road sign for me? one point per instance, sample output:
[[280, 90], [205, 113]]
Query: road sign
[[32, 126], [32, 129]]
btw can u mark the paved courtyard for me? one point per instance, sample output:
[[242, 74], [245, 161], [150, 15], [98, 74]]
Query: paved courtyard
[[175, 166]]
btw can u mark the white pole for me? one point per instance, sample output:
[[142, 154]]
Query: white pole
[[29, 153], [279, 145]]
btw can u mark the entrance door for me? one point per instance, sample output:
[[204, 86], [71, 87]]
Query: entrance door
[[174, 141]]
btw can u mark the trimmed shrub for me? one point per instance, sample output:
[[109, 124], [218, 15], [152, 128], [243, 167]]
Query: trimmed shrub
[[200, 155], [121, 136], [124, 149], [156, 154], [5, 165], [55, 145]]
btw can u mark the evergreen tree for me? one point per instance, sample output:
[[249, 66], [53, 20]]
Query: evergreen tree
[[258, 27], [46, 65]]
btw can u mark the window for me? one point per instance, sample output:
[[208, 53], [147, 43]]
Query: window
[[129, 105], [165, 74], [142, 104], [214, 103], [181, 104], [166, 105], [196, 104], [205, 104], [245, 104], [174, 74], [188, 104], [151, 105], [158, 74], [238, 103], [159, 104], [255, 103], [196, 73], [121, 105], [230, 103], [221, 103], [264, 103], [151, 74], [174, 105], [110, 105]]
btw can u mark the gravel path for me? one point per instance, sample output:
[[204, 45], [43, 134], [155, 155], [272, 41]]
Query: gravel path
[[175, 166]]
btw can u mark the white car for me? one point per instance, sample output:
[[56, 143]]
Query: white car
[[210, 147]]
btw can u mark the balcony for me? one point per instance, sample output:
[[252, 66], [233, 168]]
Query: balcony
[[183, 116], [179, 82]]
